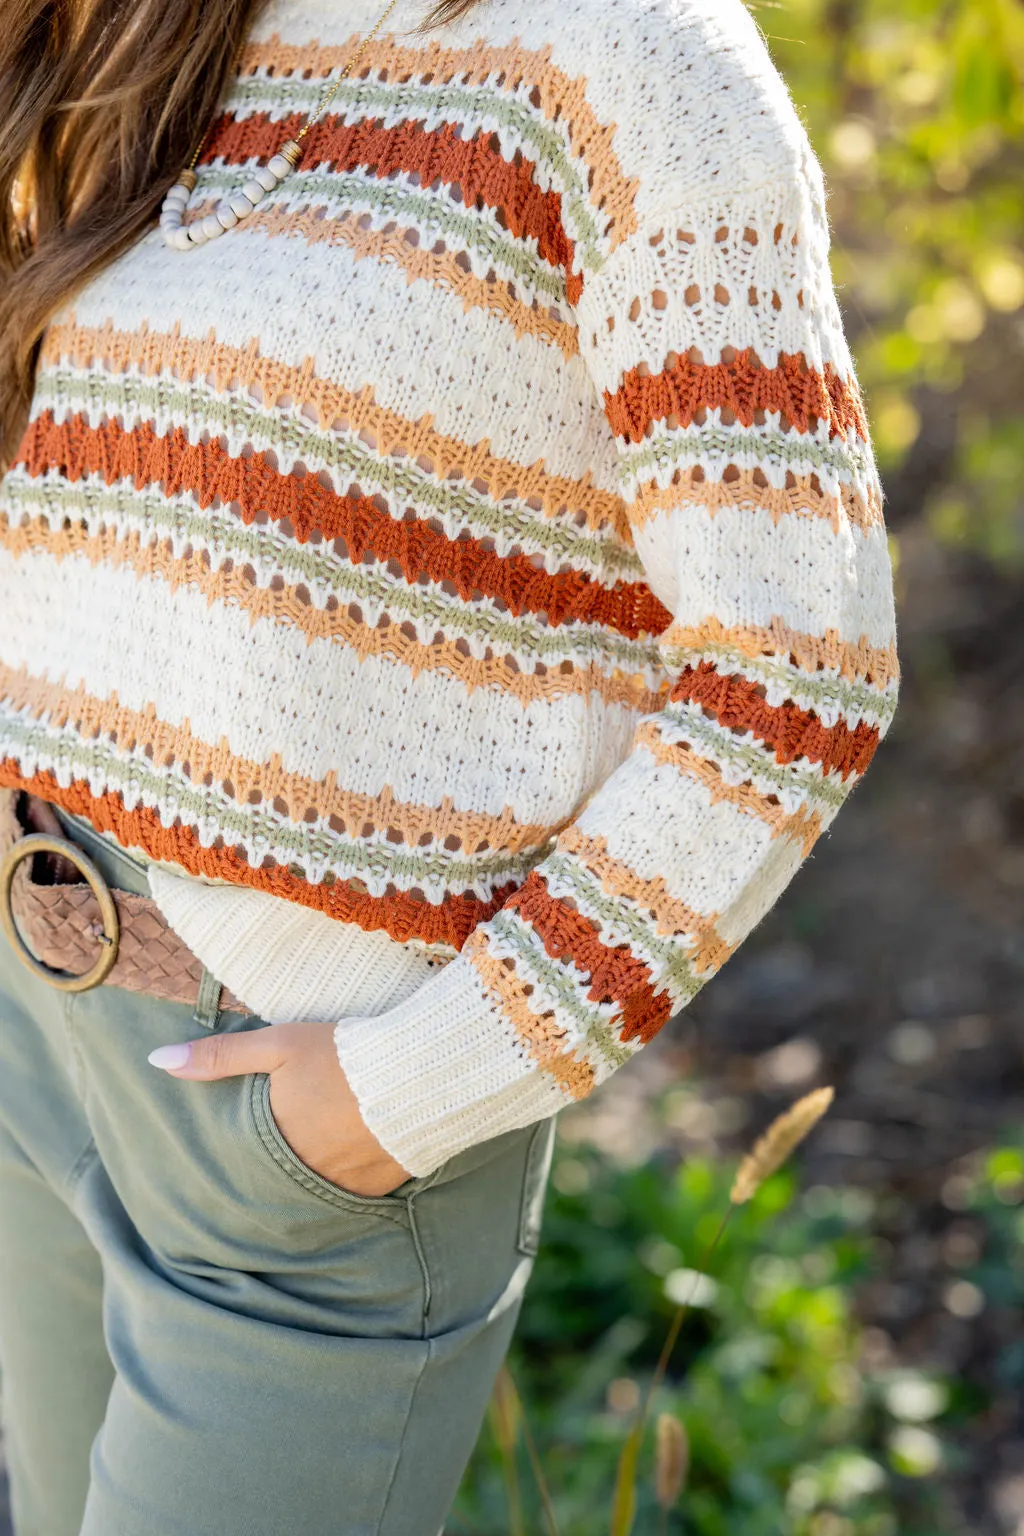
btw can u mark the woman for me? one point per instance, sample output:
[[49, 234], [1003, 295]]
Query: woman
[[443, 597]]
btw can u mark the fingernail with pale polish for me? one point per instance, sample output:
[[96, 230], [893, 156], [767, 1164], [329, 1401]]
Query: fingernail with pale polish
[[170, 1057]]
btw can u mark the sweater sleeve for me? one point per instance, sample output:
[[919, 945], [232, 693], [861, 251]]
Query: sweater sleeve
[[713, 336]]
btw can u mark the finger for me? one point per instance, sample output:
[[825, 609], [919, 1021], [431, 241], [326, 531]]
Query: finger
[[214, 1056]]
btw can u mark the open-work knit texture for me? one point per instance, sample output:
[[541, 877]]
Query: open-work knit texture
[[480, 547]]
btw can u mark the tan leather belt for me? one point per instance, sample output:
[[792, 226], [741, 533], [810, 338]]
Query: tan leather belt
[[81, 935]]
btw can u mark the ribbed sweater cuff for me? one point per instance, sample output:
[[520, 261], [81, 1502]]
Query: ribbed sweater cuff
[[441, 1072]]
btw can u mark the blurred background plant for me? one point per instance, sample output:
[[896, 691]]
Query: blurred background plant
[[790, 1422], [855, 1366]]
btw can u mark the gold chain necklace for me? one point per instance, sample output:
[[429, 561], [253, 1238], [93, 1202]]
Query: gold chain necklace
[[238, 206]]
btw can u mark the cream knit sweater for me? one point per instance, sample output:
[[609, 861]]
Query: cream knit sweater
[[466, 579]]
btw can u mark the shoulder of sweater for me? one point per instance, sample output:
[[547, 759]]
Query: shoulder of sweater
[[697, 106]]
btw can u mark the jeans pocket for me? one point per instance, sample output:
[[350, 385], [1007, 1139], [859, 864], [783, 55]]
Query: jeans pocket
[[300, 1173], [535, 1182]]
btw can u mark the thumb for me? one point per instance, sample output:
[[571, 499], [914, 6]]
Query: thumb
[[213, 1056]]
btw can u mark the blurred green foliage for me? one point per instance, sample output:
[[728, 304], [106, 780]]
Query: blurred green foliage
[[789, 1433], [916, 109]]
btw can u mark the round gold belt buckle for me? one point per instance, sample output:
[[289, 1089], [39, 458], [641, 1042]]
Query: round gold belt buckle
[[64, 981]]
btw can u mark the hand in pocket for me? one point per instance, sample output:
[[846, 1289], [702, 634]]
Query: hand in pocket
[[315, 1109]]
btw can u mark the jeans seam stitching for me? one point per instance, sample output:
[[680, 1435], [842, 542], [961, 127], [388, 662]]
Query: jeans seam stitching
[[421, 1257]]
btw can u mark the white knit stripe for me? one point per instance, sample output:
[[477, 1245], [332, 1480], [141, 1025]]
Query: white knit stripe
[[149, 645], [743, 567], [779, 862], [442, 1070], [285, 962], [726, 274], [167, 404], [664, 824], [519, 393]]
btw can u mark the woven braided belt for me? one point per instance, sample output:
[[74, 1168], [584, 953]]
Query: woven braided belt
[[66, 929]]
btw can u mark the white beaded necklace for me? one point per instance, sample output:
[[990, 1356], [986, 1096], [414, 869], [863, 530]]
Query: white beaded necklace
[[238, 206]]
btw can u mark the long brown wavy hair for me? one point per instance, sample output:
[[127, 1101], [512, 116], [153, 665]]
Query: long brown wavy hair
[[101, 104]]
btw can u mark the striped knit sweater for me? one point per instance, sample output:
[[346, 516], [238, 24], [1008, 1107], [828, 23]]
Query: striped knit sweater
[[476, 558]]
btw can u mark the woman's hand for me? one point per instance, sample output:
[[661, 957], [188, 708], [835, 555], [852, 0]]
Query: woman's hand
[[315, 1109]]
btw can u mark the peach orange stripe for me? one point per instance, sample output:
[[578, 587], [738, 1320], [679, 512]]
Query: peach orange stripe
[[227, 368], [875, 664], [670, 915], [559, 97], [402, 915], [539, 1033], [438, 267], [233, 588], [802, 496], [802, 826], [249, 782]]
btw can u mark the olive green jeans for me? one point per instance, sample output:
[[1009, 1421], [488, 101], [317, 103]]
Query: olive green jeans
[[199, 1336]]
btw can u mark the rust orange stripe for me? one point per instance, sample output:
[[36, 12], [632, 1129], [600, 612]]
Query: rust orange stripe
[[231, 368], [297, 796], [790, 731], [616, 975], [710, 951], [254, 483], [483, 176], [400, 915], [874, 664], [743, 387], [803, 826], [801, 496], [555, 95], [231, 585], [541, 1034]]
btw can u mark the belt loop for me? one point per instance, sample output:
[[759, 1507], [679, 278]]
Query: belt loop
[[207, 1009]]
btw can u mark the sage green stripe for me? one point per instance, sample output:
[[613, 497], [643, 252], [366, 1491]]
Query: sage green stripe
[[399, 102], [766, 447], [168, 402], [814, 690], [227, 537], [208, 809], [755, 762], [597, 1035], [669, 958], [433, 212]]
